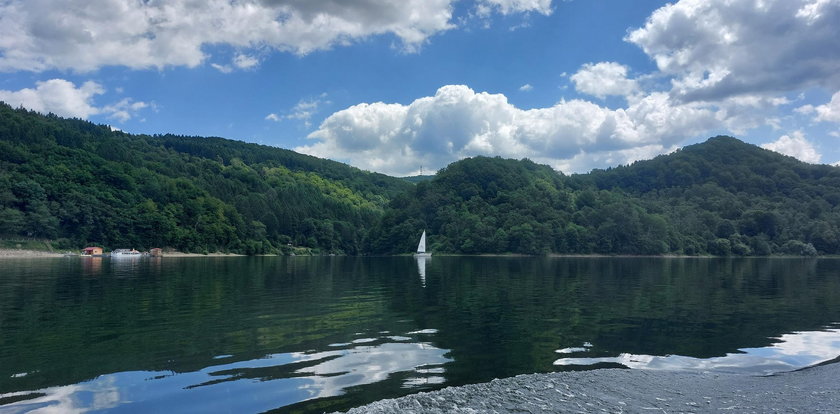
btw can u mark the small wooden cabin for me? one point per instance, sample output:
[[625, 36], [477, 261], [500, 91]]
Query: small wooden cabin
[[92, 251], [156, 252]]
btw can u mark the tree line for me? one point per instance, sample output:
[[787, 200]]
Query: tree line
[[721, 197], [77, 183]]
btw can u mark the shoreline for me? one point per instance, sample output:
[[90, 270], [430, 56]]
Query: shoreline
[[8, 253], [27, 254], [813, 389], [217, 254], [39, 254]]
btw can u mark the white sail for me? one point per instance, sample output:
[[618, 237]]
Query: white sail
[[421, 248]]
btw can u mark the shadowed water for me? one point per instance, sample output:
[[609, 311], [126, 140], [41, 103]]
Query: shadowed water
[[252, 334]]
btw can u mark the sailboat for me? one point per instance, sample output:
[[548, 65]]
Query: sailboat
[[421, 247]]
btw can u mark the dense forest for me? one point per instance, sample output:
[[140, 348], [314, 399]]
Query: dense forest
[[76, 183], [721, 197]]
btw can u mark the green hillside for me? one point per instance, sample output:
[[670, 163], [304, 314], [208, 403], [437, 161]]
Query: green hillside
[[79, 183], [721, 197], [735, 198], [418, 178]]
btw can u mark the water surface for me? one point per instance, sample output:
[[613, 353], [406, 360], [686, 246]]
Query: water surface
[[312, 334]]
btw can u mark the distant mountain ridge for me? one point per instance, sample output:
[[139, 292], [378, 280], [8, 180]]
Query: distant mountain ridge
[[81, 183], [726, 161], [720, 197], [78, 183]]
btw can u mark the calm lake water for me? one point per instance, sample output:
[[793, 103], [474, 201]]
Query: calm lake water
[[313, 334]]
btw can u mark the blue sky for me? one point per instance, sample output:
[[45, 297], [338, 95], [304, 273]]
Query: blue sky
[[396, 85]]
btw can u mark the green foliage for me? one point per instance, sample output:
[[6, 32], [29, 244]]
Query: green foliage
[[80, 183], [86, 184], [723, 189], [722, 197], [418, 178]]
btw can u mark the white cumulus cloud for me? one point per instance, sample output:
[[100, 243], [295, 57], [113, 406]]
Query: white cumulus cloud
[[124, 110], [84, 35], [829, 112], [245, 62], [63, 98], [727, 66], [515, 6], [222, 68], [603, 79], [57, 96], [795, 145], [742, 113], [720, 48], [240, 61], [303, 110], [457, 122]]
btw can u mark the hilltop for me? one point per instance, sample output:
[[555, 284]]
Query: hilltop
[[720, 197], [76, 183], [79, 183]]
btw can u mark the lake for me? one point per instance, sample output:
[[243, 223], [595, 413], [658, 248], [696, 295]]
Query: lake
[[314, 334]]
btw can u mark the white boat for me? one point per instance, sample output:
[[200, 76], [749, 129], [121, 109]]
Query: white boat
[[421, 247], [125, 253]]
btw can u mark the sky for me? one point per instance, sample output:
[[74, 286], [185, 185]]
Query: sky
[[408, 86]]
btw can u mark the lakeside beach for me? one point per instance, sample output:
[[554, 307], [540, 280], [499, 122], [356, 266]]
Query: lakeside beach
[[31, 254], [26, 254]]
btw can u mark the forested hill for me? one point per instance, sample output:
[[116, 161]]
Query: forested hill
[[721, 197], [733, 165], [79, 183]]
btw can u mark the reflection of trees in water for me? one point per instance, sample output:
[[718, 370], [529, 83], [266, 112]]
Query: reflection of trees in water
[[496, 316], [177, 313], [504, 316]]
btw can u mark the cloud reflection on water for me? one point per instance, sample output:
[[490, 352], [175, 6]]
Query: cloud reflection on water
[[71, 399], [261, 384], [792, 351]]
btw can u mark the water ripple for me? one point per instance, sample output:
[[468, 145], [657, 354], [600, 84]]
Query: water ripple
[[260, 384], [790, 352]]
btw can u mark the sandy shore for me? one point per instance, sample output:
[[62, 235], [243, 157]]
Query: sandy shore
[[23, 254], [812, 390], [27, 254]]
